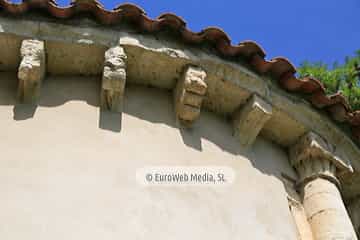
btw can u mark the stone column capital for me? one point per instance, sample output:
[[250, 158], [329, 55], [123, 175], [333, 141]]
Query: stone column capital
[[313, 157]]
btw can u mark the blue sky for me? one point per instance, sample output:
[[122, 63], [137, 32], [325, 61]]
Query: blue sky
[[314, 30]]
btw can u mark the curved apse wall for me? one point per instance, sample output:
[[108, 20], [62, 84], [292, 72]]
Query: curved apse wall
[[68, 170]]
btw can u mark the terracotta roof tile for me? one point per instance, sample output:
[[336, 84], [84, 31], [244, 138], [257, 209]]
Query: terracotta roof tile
[[280, 68]]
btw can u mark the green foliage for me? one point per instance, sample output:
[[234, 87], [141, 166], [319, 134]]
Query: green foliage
[[340, 77]]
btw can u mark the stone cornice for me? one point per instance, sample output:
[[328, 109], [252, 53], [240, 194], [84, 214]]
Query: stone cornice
[[158, 61], [282, 70]]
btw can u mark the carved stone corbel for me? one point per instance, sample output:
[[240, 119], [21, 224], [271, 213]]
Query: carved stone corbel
[[31, 70], [113, 80], [250, 119], [189, 93]]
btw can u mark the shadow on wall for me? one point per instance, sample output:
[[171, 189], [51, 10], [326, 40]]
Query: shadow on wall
[[140, 102], [59, 90]]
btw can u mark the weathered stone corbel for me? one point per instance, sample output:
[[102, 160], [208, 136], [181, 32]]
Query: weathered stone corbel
[[31, 70], [189, 93], [113, 79], [317, 167], [250, 119]]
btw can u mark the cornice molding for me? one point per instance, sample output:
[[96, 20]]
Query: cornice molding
[[158, 62]]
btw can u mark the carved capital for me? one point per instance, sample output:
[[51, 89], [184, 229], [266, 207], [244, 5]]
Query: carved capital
[[113, 79], [31, 70], [189, 93], [312, 168], [313, 157]]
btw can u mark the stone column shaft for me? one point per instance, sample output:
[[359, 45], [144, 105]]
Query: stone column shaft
[[319, 187], [325, 210]]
